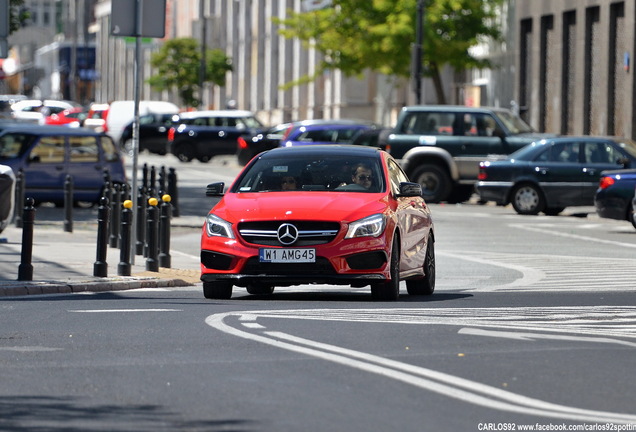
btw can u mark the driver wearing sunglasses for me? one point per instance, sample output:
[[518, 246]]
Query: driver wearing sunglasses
[[362, 175]]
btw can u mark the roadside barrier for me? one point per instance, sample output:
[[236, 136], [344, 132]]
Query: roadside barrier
[[68, 204], [25, 269], [124, 267], [152, 231], [164, 230], [100, 268]]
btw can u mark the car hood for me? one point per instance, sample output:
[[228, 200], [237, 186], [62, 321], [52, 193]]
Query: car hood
[[324, 206]]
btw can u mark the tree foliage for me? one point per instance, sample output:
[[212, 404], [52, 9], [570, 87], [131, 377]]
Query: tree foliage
[[355, 35], [18, 14], [178, 65]]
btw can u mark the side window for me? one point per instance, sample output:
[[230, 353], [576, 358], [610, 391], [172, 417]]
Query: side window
[[83, 149], [561, 152], [602, 153], [50, 149], [109, 149], [431, 123]]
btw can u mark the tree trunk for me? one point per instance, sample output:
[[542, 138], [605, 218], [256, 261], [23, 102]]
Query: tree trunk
[[437, 82]]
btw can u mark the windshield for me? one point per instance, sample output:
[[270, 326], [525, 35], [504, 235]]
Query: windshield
[[312, 173], [513, 123], [13, 145]]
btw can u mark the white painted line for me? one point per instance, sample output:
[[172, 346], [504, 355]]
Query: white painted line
[[123, 310], [534, 336], [438, 382], [574, 236], [29, 349]]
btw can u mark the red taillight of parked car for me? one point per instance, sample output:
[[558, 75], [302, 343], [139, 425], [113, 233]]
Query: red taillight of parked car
[[171, 134], [482, 171], [242, 144], [606, 182]]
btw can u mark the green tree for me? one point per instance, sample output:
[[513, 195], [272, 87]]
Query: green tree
[[178, 65], [17, 14], [355, 35]]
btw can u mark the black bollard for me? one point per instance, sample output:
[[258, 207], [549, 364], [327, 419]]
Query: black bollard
[[25, 269], [140, 242], [153, 181], [144, 172], [162, 178], [100, 268], [115, 216], [68, 204], [164, 232], [152, 232], [173, 191], [19, 197], [124, 267]]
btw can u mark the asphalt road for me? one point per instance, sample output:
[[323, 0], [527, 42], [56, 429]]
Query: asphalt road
[[532, 323]]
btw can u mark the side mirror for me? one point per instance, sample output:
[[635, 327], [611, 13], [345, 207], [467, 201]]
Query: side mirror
[[625, 162], [215, 189], [408, 189], [34, 159]]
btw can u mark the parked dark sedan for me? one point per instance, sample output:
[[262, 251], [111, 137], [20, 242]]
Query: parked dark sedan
[[153, 133], [551, 174], [615, 195]]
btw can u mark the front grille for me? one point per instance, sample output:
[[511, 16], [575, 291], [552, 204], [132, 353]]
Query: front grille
[[309, 232], [322, 266]]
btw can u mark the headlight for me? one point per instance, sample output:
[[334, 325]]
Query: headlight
[[371, 226], [217, 227]]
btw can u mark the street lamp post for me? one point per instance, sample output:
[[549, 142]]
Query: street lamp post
[[416, 56]]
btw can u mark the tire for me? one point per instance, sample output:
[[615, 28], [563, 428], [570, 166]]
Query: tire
[[217, 290], [553, 211], [631, 216], [426, 285], [204, 158], [435, 181], [390, 289], [184, 152], [527, 199], [260, 289]]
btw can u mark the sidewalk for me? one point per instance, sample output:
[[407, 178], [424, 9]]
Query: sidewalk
[[63, 262]]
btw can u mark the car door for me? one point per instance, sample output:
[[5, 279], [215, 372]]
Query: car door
[[413, 222], [598, 156], [559, 172], [85, 167], [475, 133], [45, 168]]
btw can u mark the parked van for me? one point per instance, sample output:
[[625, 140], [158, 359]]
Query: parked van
[[47, 154], [121, 113]]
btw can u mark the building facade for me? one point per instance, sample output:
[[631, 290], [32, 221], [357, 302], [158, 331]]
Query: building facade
[[574, 63]]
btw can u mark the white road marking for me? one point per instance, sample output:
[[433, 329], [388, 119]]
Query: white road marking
[[29, 349], [438, 382], [559, 232], [123, 310]]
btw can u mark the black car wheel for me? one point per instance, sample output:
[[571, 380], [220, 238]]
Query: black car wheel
[[389, 290], [435, 181], [631, 216], [217, 290], [204, 158], [527, 199], [426, 285], [184, 152], [128, 147]]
